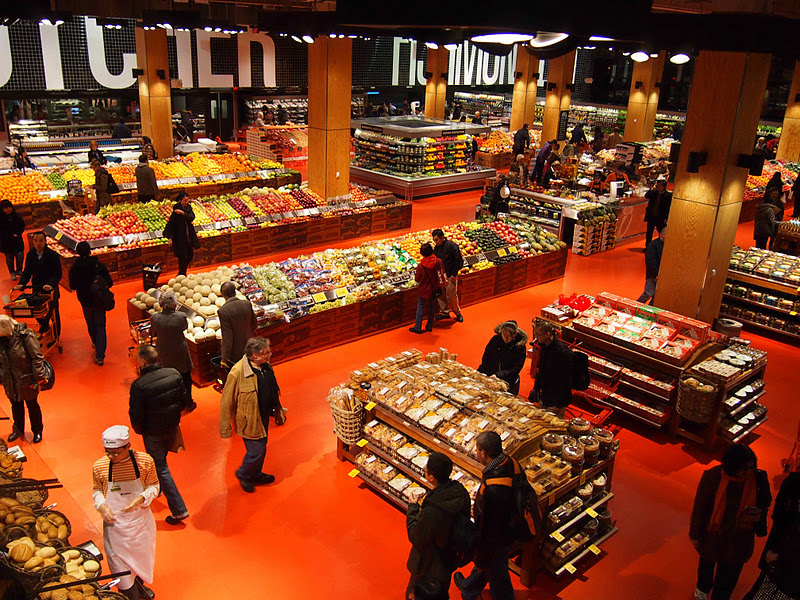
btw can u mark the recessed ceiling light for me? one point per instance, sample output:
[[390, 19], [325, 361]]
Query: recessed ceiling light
[[308, 39], [600, 38], [655, 55], [679, 59], [640, 56], [502, 38], [297, 39], [432, 45], [451, 46], [208, 29], [545, 39]]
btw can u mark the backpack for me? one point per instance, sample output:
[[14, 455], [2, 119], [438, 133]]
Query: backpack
[[581, 378], [524, 519], [103, 297], [462, 543], [113, 188]]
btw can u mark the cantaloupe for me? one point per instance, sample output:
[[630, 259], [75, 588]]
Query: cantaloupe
[[205, 289], [219, 302], [205, 302], [197, 296]]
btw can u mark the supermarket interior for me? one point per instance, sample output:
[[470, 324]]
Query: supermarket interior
[[620, 201]]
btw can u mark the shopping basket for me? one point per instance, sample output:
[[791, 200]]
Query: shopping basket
[[150, 275]]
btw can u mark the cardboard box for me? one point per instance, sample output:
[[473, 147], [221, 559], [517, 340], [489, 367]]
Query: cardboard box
[[696, 330], [670, 319], [607, 299], [627, 306]]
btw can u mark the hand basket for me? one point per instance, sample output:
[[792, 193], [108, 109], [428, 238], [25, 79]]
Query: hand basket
[[696, 405], [348, 425]]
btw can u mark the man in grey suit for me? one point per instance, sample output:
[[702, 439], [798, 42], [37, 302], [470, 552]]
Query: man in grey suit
[[173, 352], [237, 322]]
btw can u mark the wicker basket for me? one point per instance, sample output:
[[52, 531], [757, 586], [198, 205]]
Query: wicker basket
[[32, 579], [348, 425], [47, 513], [696, 405], [34, 498]]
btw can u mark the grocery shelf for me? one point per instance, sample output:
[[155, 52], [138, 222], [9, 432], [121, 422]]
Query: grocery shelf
[[739, 379], [749, 430], [581, 514], [651, 393], [630, 413], [792, 313], [738, 409], [549, 498], [767, 327], [375, 449], [596, 542], [772, 284]]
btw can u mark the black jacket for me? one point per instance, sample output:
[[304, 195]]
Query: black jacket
[[766, 225], [429, 528], [522, 140], [42, 272], [578, 135], [505, 360], [121, 132], [81, 276], [451, 257], [784, 538], [658, 206], [652, 258], [493, 510], [97, 154], [157, 398], [498, 204], [181, 231], [554, 377], [283, 116], [12, 226]]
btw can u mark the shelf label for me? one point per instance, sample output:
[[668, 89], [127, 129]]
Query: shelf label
[[591, 512], [319, 297], [513, 249], [59, 235], [362, 443], [481, 257], [569, 568], [353, 473], [370, 406], [594, 549], [793, 313], [341, 292], [557, 536], [501, 252]]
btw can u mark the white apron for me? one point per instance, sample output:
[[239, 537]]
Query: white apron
[[130, 541]]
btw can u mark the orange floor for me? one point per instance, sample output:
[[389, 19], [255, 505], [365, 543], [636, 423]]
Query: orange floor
[[316, 532]]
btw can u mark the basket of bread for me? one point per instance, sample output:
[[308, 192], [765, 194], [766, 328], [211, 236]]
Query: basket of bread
[[30, 562], [696, 399], [29, 492], [69, 587], [348, 414], [10, 467]]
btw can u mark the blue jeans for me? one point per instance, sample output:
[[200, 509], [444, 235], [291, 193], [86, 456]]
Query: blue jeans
[[157, 446], [253, 461], [496, 575], [96, 324], [422, 304]]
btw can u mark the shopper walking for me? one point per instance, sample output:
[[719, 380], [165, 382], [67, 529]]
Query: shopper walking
[[168, 326], [432, 281], [157, 398], [652, 264], [238, 323], [91, 281], [659, 201], [522, 140], [96, 154], [125, 484], [730, 509], [180, 232], [251, 397], [22, 371], [765, 226], [430, 522], [146, 186], [504, 355], [578, 135], [12, 226], [493, 508], [43, 271], [450, 255], [148, 149], [553, 384], [104, 185]]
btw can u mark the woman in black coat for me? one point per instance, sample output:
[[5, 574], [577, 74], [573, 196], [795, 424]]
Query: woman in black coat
[[12, 227], [180, 232], [505, 354]]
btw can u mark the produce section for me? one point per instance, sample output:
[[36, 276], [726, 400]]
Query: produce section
[[754, 187]]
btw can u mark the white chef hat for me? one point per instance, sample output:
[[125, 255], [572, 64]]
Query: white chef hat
[[116, 436]]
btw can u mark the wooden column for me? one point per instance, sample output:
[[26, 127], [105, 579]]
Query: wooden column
[[330, 66], [789, 146], [526, 83], [155, 100], [436, 86], [722, 118], [643, 101], [559, 98]]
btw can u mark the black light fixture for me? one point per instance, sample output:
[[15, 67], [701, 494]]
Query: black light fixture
[[570, 87], [137, 72], [518, 74], [161, 73], [535, 76], [638, 84], [754, 163], [695, 161], [428, 75], [551, 86], [443, 75], [658, 84], [797, 97]]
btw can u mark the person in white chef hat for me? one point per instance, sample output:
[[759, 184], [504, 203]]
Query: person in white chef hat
[[125, 483]]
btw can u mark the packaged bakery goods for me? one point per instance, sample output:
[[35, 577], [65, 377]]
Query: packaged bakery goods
[[606, 440], [586, 491], [560, 472], [387, 473], [416, 412], [599, 483], [420, 461], [431, 421], [447, 411], [399, 483], [413, 493], [552, 443], [572, 454], [590, 445], [408, 451], [398, 440], [578, 427]]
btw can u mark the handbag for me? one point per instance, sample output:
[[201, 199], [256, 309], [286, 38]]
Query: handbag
[[177, 441]]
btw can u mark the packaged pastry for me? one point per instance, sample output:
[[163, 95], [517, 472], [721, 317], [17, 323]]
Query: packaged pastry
[[590, 444], [542, 486], [578, 427], [447, 411], [599, 483], [650, 343], [537, 457], [387, 473], [560, 472], [432, 403], [414, 492], [408, 451], [416, 412], [399, 483], [552, 443], [420, 460], [535, 472], [431, 421], [657, 330], [398, 440], [572, 454], [585, 492]]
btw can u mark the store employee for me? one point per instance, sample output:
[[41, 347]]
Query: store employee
[[96, 154], [598, 186]]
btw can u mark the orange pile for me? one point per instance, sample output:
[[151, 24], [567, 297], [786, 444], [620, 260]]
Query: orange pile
[[24, 189]]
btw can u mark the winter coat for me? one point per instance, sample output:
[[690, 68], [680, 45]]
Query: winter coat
[[731, 545], [21, 365], [522, 140], [652, 258], [578, 135], [493, 508], [427, 276], [181, 231], [784, 538], [429, 529], [81, 276], [170, 342], [658, 206], [12, 226], [157, 398], [554, 377], [505, 360], [42, 272], [145, 180], [97, 155], [102, 181], [238, 323], [240, 411], [766, 225], [121, 132], [450, 254]]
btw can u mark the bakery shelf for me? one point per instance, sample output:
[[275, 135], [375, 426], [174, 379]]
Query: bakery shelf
[[740, 379], [749, 430], [630, 413], [401, 504], [772, 284], [550, 497], [581, 514], [596, 542], [792, 313], [650, 393], [372, 447], [738, 409], [766, 327]]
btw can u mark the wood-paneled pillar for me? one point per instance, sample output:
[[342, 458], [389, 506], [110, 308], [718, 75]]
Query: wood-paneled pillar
[[789, 146], [526, 84], [643, 100], [436, 85], [155, 98], [330, 67], [721, 121], [559, 98]]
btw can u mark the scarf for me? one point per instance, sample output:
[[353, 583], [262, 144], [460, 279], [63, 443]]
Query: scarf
[[748, 499]]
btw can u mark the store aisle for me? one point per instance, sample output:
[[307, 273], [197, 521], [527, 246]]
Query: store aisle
[[315, 532]]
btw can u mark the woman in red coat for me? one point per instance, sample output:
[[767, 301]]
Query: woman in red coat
[[431, 281]]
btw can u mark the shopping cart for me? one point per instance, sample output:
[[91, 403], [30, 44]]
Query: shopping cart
[[24, 307]]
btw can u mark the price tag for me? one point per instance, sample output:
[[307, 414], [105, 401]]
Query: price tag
[[583, 477], [319, 297], [501, 252], [481, 257], [354, 472], [59, 235], [362, 443], [341, 292], [370, 406], [224, 224], [594, 549], [512, 249], [570, 569], [591, 512], [793, 313], [557, 536]]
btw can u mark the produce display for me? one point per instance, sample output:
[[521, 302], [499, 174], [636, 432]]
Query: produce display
[[497, 142], [596, 229]]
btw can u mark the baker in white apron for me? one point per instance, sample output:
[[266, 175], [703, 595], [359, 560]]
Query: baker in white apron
[[129, 529]]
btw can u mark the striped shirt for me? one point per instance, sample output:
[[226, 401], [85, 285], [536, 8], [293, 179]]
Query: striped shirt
[[124, 471]]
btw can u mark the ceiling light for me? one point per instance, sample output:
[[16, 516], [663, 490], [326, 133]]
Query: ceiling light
[[331, 35], [58, 22], [545, 39], [640, 56], [217, 29], [297, 39], [626, 54], [654, 55], [209, 29], [352, 37], [108, 25], [432, 45], [166, 26], [680, 59], [45, 22], [600, 38], [502, 38], [308, 39], [341, 35], [451, 46]]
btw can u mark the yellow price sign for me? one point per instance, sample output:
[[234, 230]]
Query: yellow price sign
[[370, 406], [501, 252], [591, 512], [556, 535], [354, 472], [793, 313], [341, 293], [320, 297], [570, 569], [59, 235], [594, 549], [513, 249], [362, 443]]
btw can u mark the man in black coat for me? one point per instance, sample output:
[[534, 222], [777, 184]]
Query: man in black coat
[[652, 263], [180, 232], [12, 226], [522, 140], [505, 354], [553, 384], [429, 523], [157, 398], [656, 214], [237, 322], [493, 510], [450, 255], [82, 275], [43, 271]]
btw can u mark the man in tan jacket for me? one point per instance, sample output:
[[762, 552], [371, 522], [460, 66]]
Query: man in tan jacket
[[250, 397]]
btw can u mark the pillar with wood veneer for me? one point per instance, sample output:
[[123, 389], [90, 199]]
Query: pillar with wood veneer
[[643, 99], [155, 98], [558, 96]]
